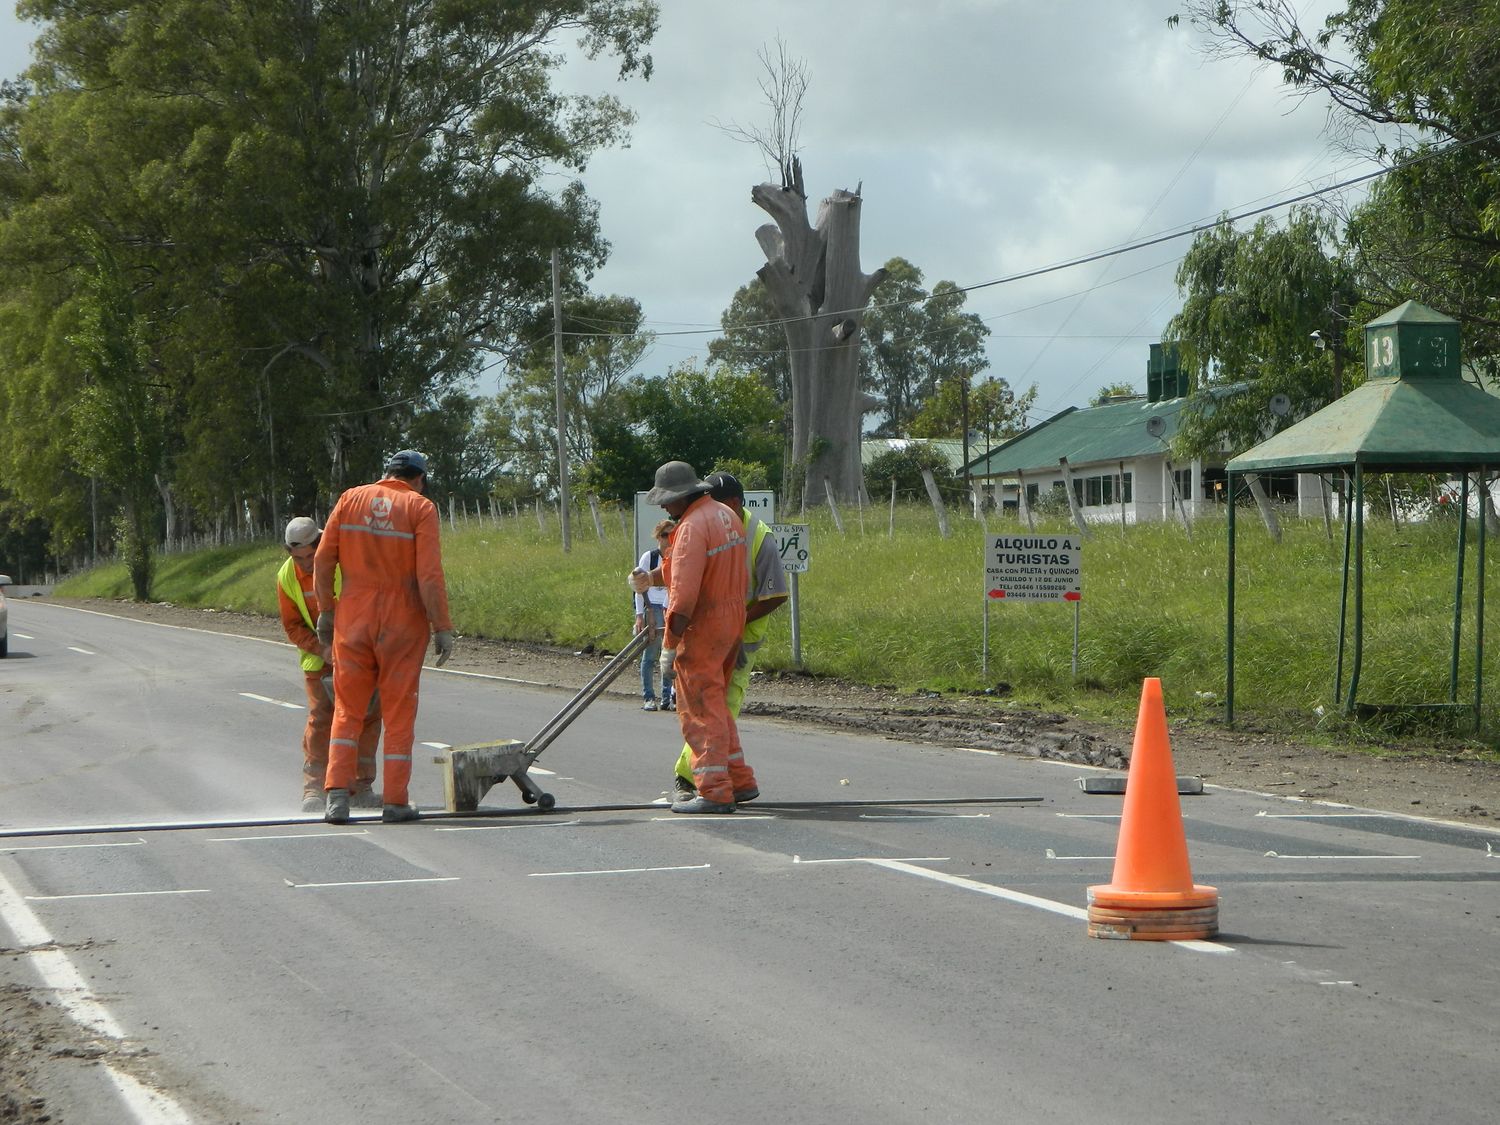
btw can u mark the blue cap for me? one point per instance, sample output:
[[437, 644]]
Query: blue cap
[[407, 459]]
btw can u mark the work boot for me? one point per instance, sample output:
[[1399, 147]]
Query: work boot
[[337, 809], [398, 814], [369, 799], [682, 788], [702, 804], [745, 796], [312, 803]]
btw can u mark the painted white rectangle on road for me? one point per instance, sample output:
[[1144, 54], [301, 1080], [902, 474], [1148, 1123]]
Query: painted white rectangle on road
[[1033, 568]]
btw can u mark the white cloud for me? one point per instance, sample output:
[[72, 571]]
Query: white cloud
[[992, 137]]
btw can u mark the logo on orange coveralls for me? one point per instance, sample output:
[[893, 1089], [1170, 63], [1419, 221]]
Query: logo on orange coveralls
[[380, 514]]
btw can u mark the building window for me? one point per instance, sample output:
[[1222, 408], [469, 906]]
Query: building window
[[1102, 491], [1184, 490]]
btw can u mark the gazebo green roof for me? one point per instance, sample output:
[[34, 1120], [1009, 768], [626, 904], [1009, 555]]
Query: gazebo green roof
[[1417, 420]]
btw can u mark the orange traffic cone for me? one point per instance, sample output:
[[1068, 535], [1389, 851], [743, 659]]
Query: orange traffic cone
[[1152, 896]]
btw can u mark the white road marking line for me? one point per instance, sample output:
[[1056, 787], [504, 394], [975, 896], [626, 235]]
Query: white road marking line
[[924, 816], [1023, 899], [497, 827], [1322, 816], [119, 894], [290, 836], [73, 996], [276, 702], [871, 859], [679, 818], [529, 769], [24, 636], [1344, 982], [1278, 855], [616, 871], [84, 651], [1088, 816], [1053, 855], [375, 882], [65, 847]]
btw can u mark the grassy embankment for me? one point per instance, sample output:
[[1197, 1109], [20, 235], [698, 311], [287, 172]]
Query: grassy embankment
[[906, 610]]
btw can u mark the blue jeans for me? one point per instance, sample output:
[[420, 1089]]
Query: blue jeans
[[651, 657]]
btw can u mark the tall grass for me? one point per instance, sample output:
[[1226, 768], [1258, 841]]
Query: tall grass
[[905, 609]]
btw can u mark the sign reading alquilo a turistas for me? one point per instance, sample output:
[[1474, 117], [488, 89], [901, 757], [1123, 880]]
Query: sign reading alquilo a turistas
[[1033, 568]]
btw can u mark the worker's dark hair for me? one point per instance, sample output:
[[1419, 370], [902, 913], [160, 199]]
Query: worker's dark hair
[[725, 486]]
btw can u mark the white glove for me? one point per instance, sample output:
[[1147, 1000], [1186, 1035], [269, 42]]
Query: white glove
[[639, 580], [668, 658]]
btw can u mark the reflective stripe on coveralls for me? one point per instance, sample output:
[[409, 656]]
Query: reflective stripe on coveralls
[[296, 589], [384, 538], [750, 642], [707, 582]]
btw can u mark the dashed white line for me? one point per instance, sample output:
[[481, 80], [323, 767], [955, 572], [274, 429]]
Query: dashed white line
[[678, 818], [508, 827], [872, 859], [66, 847], [924, 816], [1053, 855], [289, 836], [1278, 855], [375, 882], [24, 636], [616, 871], [118, 894], [83, 651], [274, 702]]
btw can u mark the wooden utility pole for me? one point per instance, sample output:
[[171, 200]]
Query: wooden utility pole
[[564, 500]]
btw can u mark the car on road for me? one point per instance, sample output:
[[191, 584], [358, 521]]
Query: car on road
[[4, 624]]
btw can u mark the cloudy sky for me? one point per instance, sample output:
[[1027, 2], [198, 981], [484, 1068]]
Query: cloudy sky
[[992, 138]]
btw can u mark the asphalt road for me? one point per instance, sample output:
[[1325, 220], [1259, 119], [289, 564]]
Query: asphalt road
[[814, 961]]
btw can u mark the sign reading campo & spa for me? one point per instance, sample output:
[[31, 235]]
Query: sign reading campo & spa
[[1034, 568]]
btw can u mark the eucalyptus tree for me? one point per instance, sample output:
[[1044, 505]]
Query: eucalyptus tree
[[335, 213]]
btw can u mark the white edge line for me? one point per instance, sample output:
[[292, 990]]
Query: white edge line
[[498, 827], [617, 871], [57, 972], [924, 816], [1088, 816], [147, 1106], [1324, 815], [678, 818], [274, 702], [375, 882], [288, 836], [119, 894]]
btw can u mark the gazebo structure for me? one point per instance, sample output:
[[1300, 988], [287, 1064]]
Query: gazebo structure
[[1414, 414]]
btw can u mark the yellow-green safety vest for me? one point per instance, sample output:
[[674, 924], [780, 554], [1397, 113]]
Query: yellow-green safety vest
[[755, 631], [286, 578]]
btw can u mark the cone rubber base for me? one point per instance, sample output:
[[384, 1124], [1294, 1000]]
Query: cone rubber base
[[1154, 925], [1134, 933], [1121, 898]]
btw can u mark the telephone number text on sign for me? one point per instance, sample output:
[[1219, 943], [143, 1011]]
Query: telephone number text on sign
[[1034, 568]]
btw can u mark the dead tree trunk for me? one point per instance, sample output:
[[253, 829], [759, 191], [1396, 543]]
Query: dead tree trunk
[[814, 277]]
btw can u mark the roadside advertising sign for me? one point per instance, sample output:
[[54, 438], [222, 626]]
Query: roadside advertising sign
[[1034, 568]]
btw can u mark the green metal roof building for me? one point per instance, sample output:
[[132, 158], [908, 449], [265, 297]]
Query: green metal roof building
[[1116, 457]]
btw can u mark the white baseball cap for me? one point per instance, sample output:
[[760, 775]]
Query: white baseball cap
[[302, 532]]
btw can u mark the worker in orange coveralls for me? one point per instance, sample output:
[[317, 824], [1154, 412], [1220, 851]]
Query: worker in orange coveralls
[[384, 539], [298, 601], [706, 575]]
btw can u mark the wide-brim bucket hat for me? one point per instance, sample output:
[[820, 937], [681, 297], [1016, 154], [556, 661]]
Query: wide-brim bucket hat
[[676, 480]]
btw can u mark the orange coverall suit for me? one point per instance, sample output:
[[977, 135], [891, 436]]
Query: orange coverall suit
[[384, 537], [706, 576], [299, 630]]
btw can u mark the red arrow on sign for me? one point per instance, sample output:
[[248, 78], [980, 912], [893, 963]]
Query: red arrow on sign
[[997, 593], [1072, 596]]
